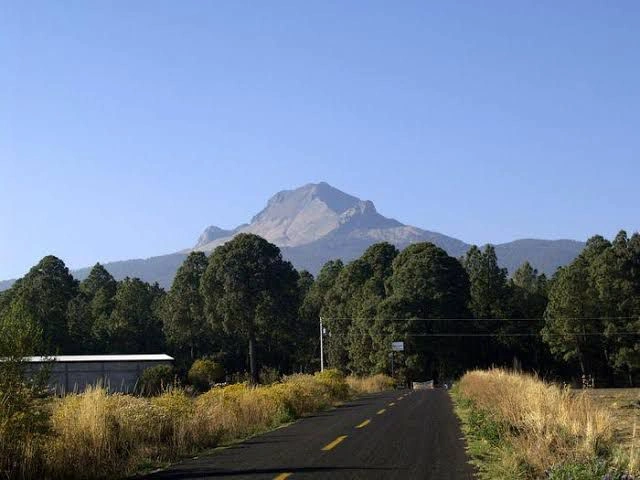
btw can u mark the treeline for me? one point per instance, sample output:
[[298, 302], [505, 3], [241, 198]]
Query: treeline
[[236, 306], [248, 309], [597, 297], [449, 312], [458, 314], [49, 312]]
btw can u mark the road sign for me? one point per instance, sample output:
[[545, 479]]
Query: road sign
[[397, 346]]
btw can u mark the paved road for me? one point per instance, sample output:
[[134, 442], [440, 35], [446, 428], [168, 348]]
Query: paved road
[[403, 434]]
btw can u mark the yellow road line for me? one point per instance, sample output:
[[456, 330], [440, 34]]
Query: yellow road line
[[392, 404], [282, 476], [381, 411], [364, 424], [331, 445]]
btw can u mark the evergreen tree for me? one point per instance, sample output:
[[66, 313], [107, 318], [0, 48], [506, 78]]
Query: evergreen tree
[[252, 292], [573, 317], [89, 311], [529, 297], [80, 326], [616, 278], [186, 328], [306, 338], [489, 290], [313, 302], [427, 284], [134, 325], [341, 305], [43, 295], [368, 349]]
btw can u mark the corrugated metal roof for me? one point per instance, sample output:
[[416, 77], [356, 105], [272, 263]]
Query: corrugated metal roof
[[101, 358]]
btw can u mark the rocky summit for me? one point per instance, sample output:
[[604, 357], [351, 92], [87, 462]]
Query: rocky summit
[[317, 222]]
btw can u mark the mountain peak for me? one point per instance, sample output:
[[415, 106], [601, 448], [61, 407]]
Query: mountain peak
[[211, 234], [304, 215], [288, 203], [318, 222]]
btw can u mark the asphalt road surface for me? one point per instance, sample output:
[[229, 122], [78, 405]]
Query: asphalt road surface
[[394, 435]]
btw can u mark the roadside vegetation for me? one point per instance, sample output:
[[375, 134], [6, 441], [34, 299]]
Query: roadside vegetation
[[97, 435], [519, 427], [623, 404], [246, 308], [244, 314]]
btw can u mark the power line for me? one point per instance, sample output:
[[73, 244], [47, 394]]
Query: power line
[[571, 334], [537, 319]]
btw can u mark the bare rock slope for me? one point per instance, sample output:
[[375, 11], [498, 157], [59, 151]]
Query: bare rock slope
[[317, 222]]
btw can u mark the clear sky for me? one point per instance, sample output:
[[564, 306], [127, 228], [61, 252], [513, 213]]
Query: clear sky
[[127, 127]]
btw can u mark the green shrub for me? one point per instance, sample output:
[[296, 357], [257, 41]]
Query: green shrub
[[269, 375], [582, 471], [155, 380], [335, 381], [204, 373], [23, 424]]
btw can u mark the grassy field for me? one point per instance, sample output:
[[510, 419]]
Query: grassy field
[[519, 427], [94, 435], [623, 404]]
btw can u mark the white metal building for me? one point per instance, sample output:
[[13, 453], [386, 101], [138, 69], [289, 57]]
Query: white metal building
[[73, 373]]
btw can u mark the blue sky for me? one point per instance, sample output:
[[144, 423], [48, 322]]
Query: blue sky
[[128, 127]]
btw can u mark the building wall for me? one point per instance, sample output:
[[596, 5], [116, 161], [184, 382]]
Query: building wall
[[69, 377]]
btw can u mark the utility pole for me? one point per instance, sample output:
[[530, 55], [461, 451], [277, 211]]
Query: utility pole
[[392, 373], [321, 347]]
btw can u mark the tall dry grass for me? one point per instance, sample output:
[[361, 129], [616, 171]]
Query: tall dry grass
[[97, 435], [540, 426], [631, 454], [370, 384]]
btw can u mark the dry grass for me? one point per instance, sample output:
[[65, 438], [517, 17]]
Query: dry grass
[[372, 384], [623, 404], [97, 435], [529, 426]]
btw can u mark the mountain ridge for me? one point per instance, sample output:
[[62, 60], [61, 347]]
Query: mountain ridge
[[316, 222]]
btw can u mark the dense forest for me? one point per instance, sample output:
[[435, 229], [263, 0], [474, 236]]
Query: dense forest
[[248, 309]]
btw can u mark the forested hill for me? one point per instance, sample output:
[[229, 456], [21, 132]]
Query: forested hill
[[316, 223]]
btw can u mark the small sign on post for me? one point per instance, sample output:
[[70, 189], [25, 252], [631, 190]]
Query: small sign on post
[[397, 346]]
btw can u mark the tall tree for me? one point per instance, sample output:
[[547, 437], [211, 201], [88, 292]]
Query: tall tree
[[489, 292], [573, 317], [98, 279], [341, 305], [313, 303], [88, 313], [20, 334], [80, 326], [529, 297], [134, 324], [306, 334], [367, 338], [186, 328], [490, 299], [350, 309], [249, 289], [43, 295], [427, 284], [616, 278]]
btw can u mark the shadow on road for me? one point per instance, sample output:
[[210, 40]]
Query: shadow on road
[[212, 473]]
